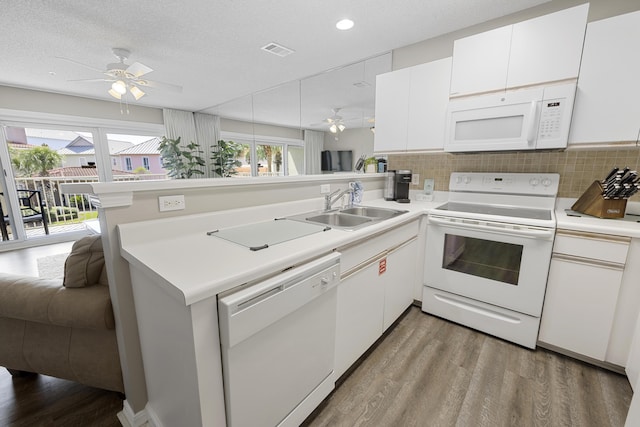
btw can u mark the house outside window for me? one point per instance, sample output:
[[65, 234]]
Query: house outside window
[[127, 164], [145, 163]]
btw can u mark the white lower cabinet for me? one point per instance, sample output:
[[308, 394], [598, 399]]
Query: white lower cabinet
[[374, 293], [360, 316], [399, 280], [584, 283]]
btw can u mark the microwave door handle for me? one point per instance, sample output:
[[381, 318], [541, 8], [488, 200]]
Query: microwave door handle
[[531, 132]]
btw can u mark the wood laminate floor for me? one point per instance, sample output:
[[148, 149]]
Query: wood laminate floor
[[425, 372], [431, 372], [42, 401]]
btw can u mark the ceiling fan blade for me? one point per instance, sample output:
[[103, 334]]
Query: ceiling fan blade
[[137, 69], [80, 63], [92, 80], [160, 85]]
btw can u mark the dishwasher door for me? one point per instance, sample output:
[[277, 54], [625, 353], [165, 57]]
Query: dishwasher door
[[278, 341]]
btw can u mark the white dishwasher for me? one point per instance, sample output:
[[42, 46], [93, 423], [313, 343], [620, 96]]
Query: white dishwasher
[[278, 340]]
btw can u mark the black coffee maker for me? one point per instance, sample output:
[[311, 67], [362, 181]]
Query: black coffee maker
[[397, 186]]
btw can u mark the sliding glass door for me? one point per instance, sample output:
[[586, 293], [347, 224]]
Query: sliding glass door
[[38, 160]]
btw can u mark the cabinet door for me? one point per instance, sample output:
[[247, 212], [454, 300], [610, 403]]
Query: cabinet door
[[359, 316], [579, 307], [399, 281], [547, 48], [392, 109], [607, 107], [428, 100], [480, 62]]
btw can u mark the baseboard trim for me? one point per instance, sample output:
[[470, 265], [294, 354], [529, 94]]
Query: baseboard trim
[[606, 365], [130, 419]]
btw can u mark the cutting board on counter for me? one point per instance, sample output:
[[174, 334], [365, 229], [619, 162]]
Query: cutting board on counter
[[261, 235]]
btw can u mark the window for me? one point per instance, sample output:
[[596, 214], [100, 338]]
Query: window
[[64, 144], [145, 163], [127, 164], [273, 156]]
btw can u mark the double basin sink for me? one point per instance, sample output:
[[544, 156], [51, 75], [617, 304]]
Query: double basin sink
[[350, 218]]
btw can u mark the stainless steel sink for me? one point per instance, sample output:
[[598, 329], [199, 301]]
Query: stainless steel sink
[[338, 219], [372, 212], [349, 218]]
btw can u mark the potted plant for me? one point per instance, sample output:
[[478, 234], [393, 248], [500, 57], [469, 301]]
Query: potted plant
[[181, 162], [370, 164], [225, 158]]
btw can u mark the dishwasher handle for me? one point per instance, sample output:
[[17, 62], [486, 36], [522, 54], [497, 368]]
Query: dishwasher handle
[[241, 314]]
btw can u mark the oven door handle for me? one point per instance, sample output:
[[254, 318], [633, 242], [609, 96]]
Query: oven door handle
[[524, 232]]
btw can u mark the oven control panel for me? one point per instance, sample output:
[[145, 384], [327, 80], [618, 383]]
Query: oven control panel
[[545, 184]]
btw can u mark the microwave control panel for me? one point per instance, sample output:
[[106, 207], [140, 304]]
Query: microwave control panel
[[551, 119]]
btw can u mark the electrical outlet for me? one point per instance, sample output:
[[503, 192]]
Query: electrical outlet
[[415, 178], [325, 188], [171, 203]]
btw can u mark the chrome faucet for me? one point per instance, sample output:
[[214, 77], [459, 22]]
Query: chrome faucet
[[329, 199]]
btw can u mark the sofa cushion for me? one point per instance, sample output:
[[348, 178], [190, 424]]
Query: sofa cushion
[[47, 301], [85, 263]]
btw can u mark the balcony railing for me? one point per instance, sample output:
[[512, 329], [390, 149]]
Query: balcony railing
[[66, 207]]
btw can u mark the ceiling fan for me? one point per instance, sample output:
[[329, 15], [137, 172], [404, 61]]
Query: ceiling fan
[[336, 124], [125, 78]]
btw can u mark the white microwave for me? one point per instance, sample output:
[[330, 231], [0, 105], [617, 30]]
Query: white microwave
[[525, 119]]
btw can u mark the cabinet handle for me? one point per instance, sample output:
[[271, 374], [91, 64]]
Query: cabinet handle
[[593, 236], [588, 261], [366, 263]]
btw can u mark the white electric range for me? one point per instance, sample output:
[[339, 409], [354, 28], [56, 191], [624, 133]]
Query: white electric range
[[488, 252]]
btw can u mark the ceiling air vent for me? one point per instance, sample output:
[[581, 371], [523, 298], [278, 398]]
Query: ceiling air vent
[[277, 49], [361, 84]]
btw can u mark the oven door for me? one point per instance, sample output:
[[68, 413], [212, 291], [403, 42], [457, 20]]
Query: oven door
[[493, 262]]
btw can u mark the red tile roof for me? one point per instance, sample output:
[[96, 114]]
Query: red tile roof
[[80, 171]]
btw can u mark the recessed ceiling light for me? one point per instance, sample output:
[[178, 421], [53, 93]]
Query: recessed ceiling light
[[345, 24]]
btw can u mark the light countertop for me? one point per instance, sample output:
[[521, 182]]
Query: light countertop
[[191, 265], [628, 226]]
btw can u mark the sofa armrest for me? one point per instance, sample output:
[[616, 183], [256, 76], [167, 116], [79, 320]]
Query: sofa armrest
[[47, 301]]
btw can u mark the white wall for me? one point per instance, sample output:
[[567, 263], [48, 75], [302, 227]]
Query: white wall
[[12, 98]]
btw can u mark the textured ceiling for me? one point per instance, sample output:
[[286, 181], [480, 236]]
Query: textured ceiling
[[212, 47]]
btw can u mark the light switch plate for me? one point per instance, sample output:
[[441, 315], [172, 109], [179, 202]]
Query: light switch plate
[[415, 178], [325, 188], [428, 185]]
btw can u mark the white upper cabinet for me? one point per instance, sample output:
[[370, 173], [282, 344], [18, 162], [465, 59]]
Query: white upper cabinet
[[606, 107], [547, 48], [392, 110], [539, 50], [480, 62], [428, 100], [411, 106]]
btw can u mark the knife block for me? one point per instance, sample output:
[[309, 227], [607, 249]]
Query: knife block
[[593, 203]]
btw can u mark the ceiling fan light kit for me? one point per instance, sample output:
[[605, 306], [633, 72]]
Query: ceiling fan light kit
[[335, 122], [119, 87], [125, 78]]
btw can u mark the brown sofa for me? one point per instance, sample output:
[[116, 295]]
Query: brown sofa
[[63, 328]]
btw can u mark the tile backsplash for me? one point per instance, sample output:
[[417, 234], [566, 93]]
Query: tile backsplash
[[577, 168]]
